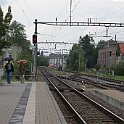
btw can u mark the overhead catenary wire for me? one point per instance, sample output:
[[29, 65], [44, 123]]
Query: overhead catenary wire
[[22, 9], [58, 30], [68, 16], [112, 30], [109, 16], [29, 9], [56, 33]]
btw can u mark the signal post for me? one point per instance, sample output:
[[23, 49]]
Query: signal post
[[35, 50]]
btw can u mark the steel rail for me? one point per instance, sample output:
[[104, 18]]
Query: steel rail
[[80, 119], [116, 117]]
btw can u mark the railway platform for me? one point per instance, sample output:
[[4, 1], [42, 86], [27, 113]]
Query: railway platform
[[113, 97], [29, 103]]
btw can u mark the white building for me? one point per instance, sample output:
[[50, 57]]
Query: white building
[[12, 51], [57, 60]]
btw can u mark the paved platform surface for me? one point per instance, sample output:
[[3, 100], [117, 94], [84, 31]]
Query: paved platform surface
[[10, 95], [114, 94], [47, 111], [39, 108]]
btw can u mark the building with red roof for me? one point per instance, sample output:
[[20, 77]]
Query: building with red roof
[[121, 47], [110, 53]]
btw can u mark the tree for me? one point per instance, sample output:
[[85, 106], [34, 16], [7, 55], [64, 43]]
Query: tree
[[17, 35], [119, 69], [88, 46], [4, 26], [101, 44], [75, 60], [42, 61]]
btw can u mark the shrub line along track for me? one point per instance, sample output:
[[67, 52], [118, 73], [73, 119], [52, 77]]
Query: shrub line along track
[[86, 110]]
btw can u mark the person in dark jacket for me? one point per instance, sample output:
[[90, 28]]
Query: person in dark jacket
[[9, 69]]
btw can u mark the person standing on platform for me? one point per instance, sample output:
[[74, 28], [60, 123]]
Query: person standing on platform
[[9, 69], [22, 71]]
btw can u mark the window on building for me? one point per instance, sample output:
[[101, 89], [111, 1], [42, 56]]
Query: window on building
[[10, 55], [105, 56], [110, 53]]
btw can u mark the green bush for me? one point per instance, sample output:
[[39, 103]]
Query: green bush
[[119, 69]]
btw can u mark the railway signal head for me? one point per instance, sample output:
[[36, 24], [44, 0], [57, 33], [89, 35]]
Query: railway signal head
[[34, 39]]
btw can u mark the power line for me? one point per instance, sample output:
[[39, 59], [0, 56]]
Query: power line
[[111, 13], [29, 9], [68, 16], [23, 11], [76, 5]]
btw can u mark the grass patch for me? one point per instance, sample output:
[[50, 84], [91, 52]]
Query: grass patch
[[121, 78], [115, 77], [56, 72]]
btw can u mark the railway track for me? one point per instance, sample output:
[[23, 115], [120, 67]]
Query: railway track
[[80, 108], [98, 82]]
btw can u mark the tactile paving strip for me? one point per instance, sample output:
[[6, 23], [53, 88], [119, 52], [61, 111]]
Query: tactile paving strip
[[17, 117]]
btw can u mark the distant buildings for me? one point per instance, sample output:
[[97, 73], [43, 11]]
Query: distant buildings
[[57, 60], [110, 53]]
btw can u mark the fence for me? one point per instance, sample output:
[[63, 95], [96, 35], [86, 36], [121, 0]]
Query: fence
[[15, 78], [1, 76]]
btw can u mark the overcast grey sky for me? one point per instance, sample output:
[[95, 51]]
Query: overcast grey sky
[[26, 11]]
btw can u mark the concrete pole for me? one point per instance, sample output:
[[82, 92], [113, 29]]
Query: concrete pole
[[70, 11]]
